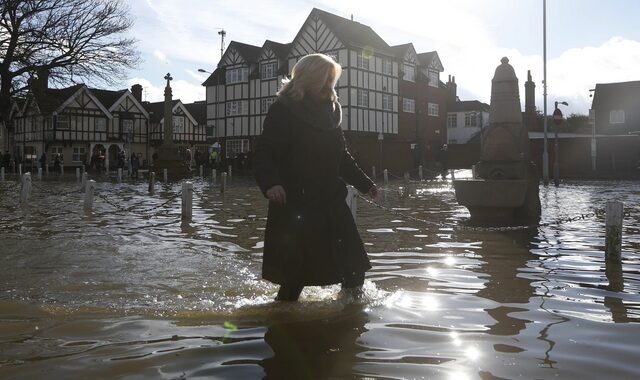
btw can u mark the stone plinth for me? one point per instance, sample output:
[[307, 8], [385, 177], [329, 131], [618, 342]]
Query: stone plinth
[[491, 200], [169, 158]]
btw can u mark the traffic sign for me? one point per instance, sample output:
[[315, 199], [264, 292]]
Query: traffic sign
[[557, 116]]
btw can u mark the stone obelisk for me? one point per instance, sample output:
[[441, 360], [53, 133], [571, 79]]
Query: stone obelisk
[[168, 155]]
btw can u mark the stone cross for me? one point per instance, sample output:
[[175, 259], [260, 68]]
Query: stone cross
[[168, 113]]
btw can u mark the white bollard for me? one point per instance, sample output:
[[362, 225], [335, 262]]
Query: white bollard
[[214, 175], [223, 182], [230, 172], [405, 188], [613, 241], [385, 173], [88, 194], [201, 171], [26, 187], [152, 183], [40, 174], [2, 174], [78, 174], [187, 201], [352, 201], [119, 174], [20, 169], [85, 177], [166, 177], [453, 174], [420, 173], [61, 169], [373, 172]]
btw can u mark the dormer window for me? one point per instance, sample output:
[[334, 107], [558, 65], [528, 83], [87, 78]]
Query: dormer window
[[237, 75], [409, 73], [434, 78]]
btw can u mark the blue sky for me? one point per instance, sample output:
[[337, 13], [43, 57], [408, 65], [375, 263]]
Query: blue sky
[[588, 41]]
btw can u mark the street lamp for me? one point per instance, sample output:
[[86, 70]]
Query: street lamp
[[204, 71], [557, 119]]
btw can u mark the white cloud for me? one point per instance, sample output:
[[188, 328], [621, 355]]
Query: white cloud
[[162, 57]]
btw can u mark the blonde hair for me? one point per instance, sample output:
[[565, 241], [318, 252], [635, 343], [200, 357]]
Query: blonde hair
[[309, 75]]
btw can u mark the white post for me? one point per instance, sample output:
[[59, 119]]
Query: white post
[[373, 172], [201, 171], [152, 183], [613, 242], [420, 173], [78, 174], [88, 195], [40, 174], [385, 173], [26, 187], [85, 177], [187, 201], [223, 183], [230, 169], [405, 189], [46, 168], [2, 174], [453, 174], [84, 169], [119, 174], [20, 169], [214, 174], [352, 201], [473, 171], [166, 177], [61, 169]]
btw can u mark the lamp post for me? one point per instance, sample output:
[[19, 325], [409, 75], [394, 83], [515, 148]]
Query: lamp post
[[545, 153], [557, 119]]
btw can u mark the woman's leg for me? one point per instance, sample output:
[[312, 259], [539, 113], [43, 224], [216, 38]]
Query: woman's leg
[[289, 292]]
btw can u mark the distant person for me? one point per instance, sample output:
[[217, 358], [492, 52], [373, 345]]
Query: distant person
[[56, 163], [43, 162], [302, 166], [135, 165]]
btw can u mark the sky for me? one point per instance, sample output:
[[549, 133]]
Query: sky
[[588, 41]]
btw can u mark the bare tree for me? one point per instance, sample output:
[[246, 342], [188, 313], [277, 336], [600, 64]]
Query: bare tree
[[67, 40]]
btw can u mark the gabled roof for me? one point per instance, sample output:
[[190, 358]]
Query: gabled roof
[[81, 89], [250, 53], [615, 94], [107, 97], [426, 59], [467, 105], [352, 33], [401, 50], [198, 110], [281, 50], [156, 111], [50, 99], [214, 78]]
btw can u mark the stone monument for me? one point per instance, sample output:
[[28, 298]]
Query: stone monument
[[168, 154], [505, 184]]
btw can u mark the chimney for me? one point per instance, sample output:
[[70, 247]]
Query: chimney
[[136, 90], [41, 82], [529, 102], [452, 89]]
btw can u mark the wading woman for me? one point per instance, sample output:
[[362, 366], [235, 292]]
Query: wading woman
[[302, 166]]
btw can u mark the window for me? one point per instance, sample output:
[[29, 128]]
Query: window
[[434, 78], [409, 105], [233, 108], [178, 124], [62, 122], [265, 103], [362, 61], [333, 55], [100, 124], [434, 109], [78, 154], [268, 70], [363, 98], [470, 119], [616, 117], [55, 150], [452, 120], [387, 102], [237, 75], [235, 146], [127, 126], [409, 73], [386, 67]]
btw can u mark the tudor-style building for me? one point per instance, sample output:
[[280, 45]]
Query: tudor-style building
[[373, 89]]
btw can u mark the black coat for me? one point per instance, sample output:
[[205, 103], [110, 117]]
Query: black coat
[[312, 239]]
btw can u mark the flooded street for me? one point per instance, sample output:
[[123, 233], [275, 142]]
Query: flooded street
[[130, 291]]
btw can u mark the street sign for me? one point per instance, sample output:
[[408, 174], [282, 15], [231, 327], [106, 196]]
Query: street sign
[[557, 116]]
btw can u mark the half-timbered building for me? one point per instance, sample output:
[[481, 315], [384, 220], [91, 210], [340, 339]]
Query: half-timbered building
[[245, 82]]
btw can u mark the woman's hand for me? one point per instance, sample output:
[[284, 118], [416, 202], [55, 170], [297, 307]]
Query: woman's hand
[[277, 194], [373, 191]]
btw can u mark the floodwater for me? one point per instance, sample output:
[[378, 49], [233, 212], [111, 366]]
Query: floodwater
[[129, 291]]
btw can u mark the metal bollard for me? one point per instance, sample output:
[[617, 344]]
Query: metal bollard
[[420, 173], [2, 174], [613, 241], [85, 177], [405, 188], [88, 195], [61, 169], [152, 183], [223, 182], [46, 168], [119, 174], [453, 174], [373, 172], [166, 177], [84, 169], [78, 174], [201, 171], [20, 169], [40, 174], [25, 192], [352, 200], [187, 201], [214, 174], [385, 173], [230, 170]]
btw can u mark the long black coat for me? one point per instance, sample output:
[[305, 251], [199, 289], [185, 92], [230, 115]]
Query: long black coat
[[312, 239]]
